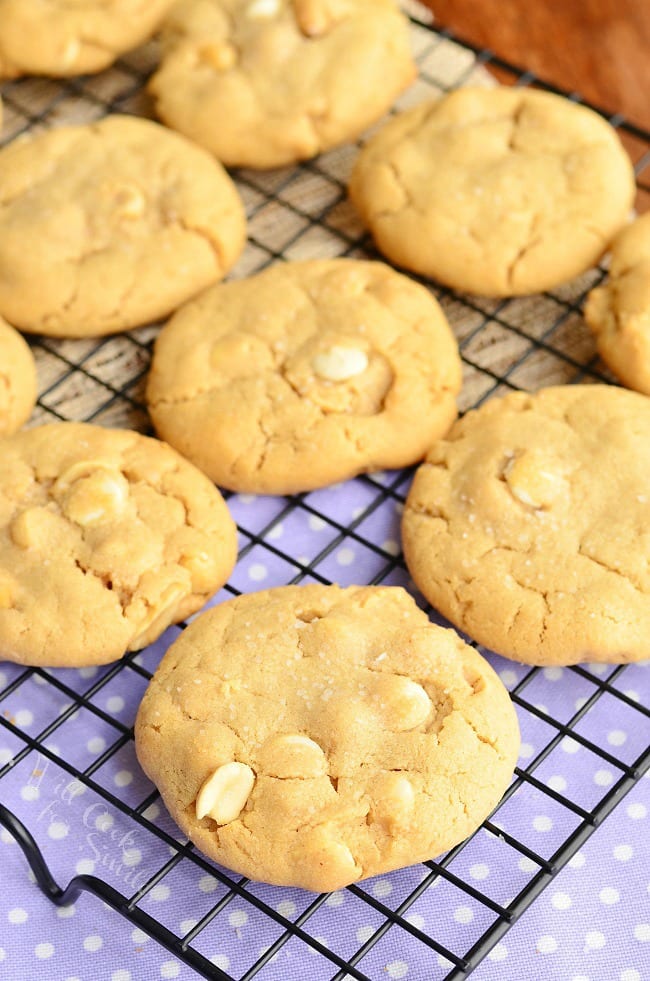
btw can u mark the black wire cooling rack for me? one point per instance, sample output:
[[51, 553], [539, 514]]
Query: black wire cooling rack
[[520, 343]]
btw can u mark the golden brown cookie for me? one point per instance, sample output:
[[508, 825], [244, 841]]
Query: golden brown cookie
[[304, 375], [263, 83], [529, 526], [17, 380], [60, 38], [106, 537], [118, 222], [312, 736], [500, 191], [619, 312]]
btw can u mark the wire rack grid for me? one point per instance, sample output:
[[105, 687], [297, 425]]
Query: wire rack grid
[[67, 735]]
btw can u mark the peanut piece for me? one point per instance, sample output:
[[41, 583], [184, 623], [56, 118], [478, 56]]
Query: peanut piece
[[224, 794]]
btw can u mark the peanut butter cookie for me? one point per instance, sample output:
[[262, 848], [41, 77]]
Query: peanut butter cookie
[[529, 526], [118, 222], [304, 375], [498, 191], [59, 38], [17, 380], [106, 537], [312, 736], [619, 312], [264, 83]]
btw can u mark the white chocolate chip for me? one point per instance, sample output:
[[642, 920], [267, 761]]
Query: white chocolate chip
[[339, 363], [403, 703], [202, 568], [30, 527], [157, 617], [293, 755], [263, 9], [100, 496], [129, 202], [224, 794], [531, 481]]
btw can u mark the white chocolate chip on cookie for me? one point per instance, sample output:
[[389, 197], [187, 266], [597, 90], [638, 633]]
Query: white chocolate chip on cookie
[[100, 496], [263, 9], [224, 794], [531, 482], [340, 363], [294, 755]]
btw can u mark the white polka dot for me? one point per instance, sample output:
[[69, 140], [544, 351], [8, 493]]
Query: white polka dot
[[442, 961], [597, 668], [3, 680], [93, 942], [381, 888], [546, 944], [525, 751], [553, 674], [642, 932], [335, 899], [541, 708], [315, 523], [151, 812], [186, 925], [104, 821], [397, 969], [463, 914], [603, 778], [570, 745], [579, 703], [139, 936], [121, 975], [54, 749], [595, 940], [245, 499], [85, 866], [276, 531], [123, 778], [30, 792], [57, 830], [220, 960], [498, 953], [609, 896], [87, 672], [257, 572], [5, 756], [526, 864], [636, 811], [23, 717], [345, 556], [17, 915], [65, 912], [577, 861], [160, 893], [365, 933], [238, 918], [169, 969], [561, 900], [415, 920], [542, 823], [3, 954], [207, 883], [287, 908], [630, 974], [556, 783], [115, 703], [623, 853], [96, 745], [616, 737], [631, 693], [508, 677], [43, 951], [390, 546], [479, 871], [6, 838]]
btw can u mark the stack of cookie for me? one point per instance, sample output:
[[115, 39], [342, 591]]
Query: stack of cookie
[[528, 517]]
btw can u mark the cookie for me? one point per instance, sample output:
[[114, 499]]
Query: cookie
[[17, 380], [304, 375], [264, 83], [528, 527], [499, 191], [118, 222], [619, 312], [106, 537], [313, 736], [62, 39]]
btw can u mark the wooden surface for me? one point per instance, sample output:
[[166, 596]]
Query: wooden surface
[[600, 48]]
